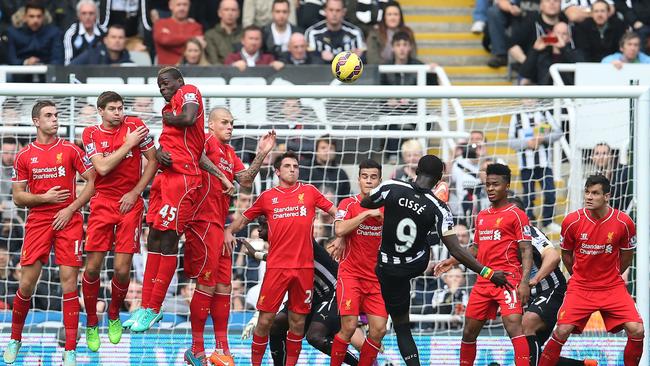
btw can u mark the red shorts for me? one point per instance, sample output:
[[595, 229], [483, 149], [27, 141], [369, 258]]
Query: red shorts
[[106, 225], [485, 300], [277, 281], [224, 271], [615, 305], [172, 201], [355, 295], [203, 248], [40, 237]]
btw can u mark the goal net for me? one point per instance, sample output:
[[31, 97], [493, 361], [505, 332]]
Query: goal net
[[551, 146]]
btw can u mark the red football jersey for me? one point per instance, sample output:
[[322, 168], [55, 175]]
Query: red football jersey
[[99, 141], [290, 213], [47, 166], [360, 256], [185, 144], [497, 236], [595, 245], [213, 204]]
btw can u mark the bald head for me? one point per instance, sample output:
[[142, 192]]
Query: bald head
[[221, 123], [297, 46], [228, 12]]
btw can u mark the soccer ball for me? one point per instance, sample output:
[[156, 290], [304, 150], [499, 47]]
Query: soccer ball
[[347, 66]]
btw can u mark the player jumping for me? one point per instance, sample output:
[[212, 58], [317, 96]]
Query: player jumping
[[174, 192], [597, 247], [205, 257], [44, 180], [502, 232], [290, 209], [411, 212], [357, 288], [115, 148]]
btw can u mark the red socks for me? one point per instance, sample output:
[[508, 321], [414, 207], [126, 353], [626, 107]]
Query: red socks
[[551, 353], [633, 351], [19, 314], [467, 353], [220, 311], [166, 270], [118, 293], [258, 348], [199, 309], [90, 291], [339, 350], [71, 309], [369, 352], [294, 346], [150, 272], [522, 353]]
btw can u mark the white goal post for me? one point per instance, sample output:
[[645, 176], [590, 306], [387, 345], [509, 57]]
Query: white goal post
[[640, 95]]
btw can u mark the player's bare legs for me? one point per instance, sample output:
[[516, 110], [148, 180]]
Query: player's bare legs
[[294, 337], [553, 347], [150, 272], [22, 302], [261, 336], [634, 346], [349, 329], [471, 330], [90, 285], [512, 324]]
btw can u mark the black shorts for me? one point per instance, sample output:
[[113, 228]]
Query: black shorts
[[396, 290], [324, 311], [546, 304]]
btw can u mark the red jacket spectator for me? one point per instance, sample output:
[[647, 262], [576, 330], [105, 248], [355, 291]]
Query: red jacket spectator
[[251, 50], [171, 34]]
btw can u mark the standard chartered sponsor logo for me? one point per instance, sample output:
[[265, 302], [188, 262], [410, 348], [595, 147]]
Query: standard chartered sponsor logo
[[48, 172], [290, 211]]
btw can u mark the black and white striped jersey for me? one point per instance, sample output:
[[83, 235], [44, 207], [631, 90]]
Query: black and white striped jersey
[[325, 272], [320, 38], [555, 279], [410, 213]]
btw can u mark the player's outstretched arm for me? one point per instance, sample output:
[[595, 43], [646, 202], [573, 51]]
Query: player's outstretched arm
[[344, 227], [447, 264], [526, 251], [64, 215], [105, 164], [550, 261], [626, 259], [367, 202], [130, 198], [206, 164], [186, 118], [264, 147], [567, 259], [23, 198]]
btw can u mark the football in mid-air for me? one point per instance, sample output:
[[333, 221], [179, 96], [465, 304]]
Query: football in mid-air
[[347, 66]]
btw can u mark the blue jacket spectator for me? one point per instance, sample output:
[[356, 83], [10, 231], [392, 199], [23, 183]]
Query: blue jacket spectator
[[111, 51], [34, 42], [630, 52]]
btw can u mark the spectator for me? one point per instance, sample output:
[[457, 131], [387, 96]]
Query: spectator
[[334, 35], [278, 32], [110, 52], [532, 28], [324, 171], [547, 51], [453, 296], [194, 54], [380, 40], [261, 13], [297, 52], [636, 16], [479, 16], [83, 34], [133, 298], [34, 42], [598, 35], [223, 39], [630, 52], [464, 181], [532, 135], [310, 12], [478, 137], [180, 303], [412, 151], [366, 14], [501, 15], [9, 147], [171, 34], [402, 48], [251, 54], [605, 161], [203, 12], [577, 11]]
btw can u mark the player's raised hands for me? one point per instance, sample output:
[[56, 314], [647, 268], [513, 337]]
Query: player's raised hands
[[134, 137], [56, 195], [62, 218], [267, 142], [499, 278]]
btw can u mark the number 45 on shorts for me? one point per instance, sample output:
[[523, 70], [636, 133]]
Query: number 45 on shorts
[[168, 214]]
